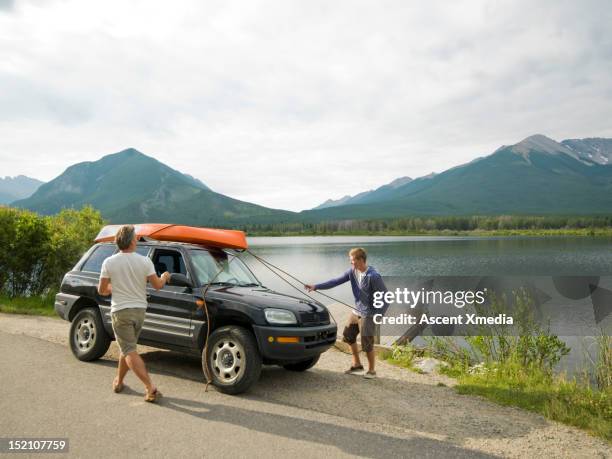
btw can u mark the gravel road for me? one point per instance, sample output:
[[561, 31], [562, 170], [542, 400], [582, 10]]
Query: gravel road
[[46, 392]]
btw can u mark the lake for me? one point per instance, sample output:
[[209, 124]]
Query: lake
[[319, 258], [315, 259]]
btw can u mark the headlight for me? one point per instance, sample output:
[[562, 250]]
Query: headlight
[[280, 316]]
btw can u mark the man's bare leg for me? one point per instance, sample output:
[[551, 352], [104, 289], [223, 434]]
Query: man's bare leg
[[355, 351], [122, 370], [371, 360], [352, 320], [137, 365]]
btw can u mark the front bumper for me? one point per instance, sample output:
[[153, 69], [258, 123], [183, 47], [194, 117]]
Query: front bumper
[[312, 341]]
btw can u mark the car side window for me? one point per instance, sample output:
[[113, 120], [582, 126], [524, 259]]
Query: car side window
[[168, 260], [94, 262]]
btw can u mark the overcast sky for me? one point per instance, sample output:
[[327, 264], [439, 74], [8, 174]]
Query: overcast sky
[[287, 104]]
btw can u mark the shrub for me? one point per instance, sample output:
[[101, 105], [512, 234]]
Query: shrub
[[36, 251]]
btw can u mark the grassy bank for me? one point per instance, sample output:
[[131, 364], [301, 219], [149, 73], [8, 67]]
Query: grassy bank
[[579, 402], [41, 305], [565, 400], [514, 366], [581, 232]]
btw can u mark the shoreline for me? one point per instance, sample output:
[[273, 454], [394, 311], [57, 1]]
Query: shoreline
[[596, 233]]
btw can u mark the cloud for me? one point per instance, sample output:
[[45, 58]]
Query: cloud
[[7, 5], [287, 104]]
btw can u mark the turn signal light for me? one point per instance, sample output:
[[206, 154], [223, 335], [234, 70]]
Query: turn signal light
[[288, 339]]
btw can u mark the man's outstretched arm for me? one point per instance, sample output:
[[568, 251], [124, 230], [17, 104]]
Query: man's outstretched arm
[[329, 284]]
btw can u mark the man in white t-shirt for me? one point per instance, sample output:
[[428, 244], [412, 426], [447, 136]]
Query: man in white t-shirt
[[125, 276]]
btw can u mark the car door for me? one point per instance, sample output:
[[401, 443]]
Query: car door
[[168, 318]]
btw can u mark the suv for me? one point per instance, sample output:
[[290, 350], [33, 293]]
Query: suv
[[250, 325]]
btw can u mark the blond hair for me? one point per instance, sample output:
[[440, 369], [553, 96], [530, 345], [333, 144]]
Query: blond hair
[[124, 236], [358, 253]]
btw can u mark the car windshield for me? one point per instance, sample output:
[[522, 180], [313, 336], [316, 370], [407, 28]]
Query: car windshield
[[227, 268]]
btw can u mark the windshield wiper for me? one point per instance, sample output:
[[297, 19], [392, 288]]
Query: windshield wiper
[[251, 284]]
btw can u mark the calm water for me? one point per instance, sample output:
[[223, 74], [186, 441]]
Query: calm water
[[315, 259]]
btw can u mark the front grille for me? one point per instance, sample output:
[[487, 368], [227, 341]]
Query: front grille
[[321, 336], [314, 318], [325, 338]]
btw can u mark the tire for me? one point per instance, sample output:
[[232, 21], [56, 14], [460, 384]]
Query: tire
[[303, 365], [227, 347], [88, 338]]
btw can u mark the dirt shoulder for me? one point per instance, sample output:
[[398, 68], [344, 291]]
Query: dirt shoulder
[[400, 404]]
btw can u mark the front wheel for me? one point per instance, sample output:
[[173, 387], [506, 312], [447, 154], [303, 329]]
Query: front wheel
[[88, 338], [303, 365], [233, 358]]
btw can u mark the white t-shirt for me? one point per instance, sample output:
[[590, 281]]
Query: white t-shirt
[[359, 276], [128, 274]]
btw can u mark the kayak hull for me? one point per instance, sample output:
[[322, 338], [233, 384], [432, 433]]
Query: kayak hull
[[211, 237]]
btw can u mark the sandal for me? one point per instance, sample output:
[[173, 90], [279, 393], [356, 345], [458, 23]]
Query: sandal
[[358, 369], [152, 396], [117, 387]]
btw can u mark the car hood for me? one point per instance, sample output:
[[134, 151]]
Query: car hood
[[261, 298]]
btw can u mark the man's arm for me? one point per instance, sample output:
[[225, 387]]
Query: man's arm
[[330, 283], [159, 282], [104, 286], [378, 285]]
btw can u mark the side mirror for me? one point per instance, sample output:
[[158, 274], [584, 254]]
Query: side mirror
[[179, 280]]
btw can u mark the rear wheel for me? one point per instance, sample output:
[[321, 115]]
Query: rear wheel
[[88, 338], [234, 361], [303, 365]]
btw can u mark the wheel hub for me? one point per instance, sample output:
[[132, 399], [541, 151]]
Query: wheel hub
[[227, 361], [85, 334]]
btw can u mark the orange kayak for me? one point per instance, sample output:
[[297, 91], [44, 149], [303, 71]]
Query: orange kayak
[[229, 239]]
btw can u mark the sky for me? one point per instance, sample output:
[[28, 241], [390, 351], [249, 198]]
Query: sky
[[289, 103]]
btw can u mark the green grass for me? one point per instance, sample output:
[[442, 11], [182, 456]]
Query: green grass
[[556, 398], [403, 356], [41, 305], [530, 387]]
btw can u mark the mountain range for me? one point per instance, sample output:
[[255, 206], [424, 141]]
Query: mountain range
[[13, 188], [130, 187], [364, 195], [535, 176]]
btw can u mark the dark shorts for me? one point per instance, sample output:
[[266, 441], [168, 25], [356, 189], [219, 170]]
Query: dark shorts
[[357, 325]]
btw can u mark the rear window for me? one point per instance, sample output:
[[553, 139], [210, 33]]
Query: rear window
[[94, 262]]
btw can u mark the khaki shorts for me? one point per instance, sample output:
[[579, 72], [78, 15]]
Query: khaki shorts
[[354, 326], [127, 324]]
